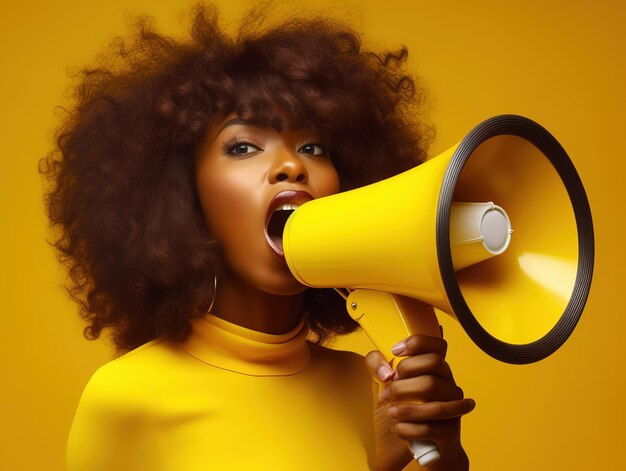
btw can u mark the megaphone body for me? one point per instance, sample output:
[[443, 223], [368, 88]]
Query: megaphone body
[[518, 302]]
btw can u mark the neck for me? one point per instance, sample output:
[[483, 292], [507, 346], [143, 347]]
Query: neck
[[243, 304]]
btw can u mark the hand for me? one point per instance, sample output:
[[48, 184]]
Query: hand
[[419, 401]]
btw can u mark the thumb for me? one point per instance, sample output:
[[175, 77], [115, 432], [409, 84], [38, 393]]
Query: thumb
[[378, 367]]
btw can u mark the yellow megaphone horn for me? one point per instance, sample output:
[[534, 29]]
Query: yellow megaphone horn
[[415, 235]]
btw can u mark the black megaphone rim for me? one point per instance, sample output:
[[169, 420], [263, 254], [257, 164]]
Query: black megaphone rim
[[537, 135]]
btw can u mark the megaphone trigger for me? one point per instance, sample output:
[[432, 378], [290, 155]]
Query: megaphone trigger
[[387, 318]]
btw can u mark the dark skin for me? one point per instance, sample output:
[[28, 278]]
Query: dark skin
[[240, 168], [423, 376]]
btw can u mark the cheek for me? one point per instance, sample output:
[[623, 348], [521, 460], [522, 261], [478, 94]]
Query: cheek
[[327, 181], [228, 204], [323, 178]]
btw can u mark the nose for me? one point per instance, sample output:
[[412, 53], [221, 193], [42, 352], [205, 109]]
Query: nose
[[287, 167]]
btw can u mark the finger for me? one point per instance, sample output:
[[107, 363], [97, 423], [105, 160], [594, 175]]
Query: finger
[[438, 410], [378, 367], [418, 344], [434, 430], [425, 388], [424, 364]]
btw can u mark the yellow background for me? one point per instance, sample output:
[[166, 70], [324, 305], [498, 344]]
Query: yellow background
[[558, 62]]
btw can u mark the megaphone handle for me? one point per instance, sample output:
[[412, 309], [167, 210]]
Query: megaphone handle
[[424, 451], [384, 318]]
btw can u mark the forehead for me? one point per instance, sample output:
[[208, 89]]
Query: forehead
[[279, 123]]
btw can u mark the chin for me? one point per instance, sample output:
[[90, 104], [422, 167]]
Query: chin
[[265, 273], [282, 286]]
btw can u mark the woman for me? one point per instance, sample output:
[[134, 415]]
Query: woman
[[172, 182]]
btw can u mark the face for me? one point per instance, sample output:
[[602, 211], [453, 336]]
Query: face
[[249, 177]]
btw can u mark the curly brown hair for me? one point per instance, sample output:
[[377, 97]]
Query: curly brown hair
[[121, 193]]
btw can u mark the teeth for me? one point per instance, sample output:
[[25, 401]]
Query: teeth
[[287, 207]]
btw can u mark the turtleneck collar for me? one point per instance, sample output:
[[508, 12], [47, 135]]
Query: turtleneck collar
[[222, 344]]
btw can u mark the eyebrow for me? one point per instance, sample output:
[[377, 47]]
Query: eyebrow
[[248, 122]]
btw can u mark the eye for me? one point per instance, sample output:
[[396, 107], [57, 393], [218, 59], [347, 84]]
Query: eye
[[241, 148], [312, 149]]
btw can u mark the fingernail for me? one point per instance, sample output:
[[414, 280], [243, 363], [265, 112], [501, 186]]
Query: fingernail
[[398, 349], [384, 372], [393, 411], [385, 394]]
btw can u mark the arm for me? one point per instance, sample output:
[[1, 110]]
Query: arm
[[418, 401]]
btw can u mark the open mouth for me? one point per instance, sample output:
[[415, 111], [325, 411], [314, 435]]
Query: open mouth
[[276, 226], [281, 207]]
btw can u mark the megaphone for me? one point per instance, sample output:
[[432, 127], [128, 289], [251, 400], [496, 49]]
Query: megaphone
[[496, 232], [395, 236]]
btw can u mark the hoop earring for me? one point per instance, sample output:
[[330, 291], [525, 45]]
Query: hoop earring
[[214, 293]]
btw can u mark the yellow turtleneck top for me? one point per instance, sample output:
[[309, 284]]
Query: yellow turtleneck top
[[228, 398]]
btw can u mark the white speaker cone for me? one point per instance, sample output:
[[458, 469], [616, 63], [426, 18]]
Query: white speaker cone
[[478, 231]]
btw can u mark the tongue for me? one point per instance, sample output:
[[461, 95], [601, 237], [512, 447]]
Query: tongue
[[276, 226]]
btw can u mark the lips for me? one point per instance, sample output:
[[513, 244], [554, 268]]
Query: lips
[[279, 210]]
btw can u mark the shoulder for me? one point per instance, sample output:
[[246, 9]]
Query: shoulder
[[127, 383], [346, 380], [348, 365], [120, 411], [330, 354], [119, 386]]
